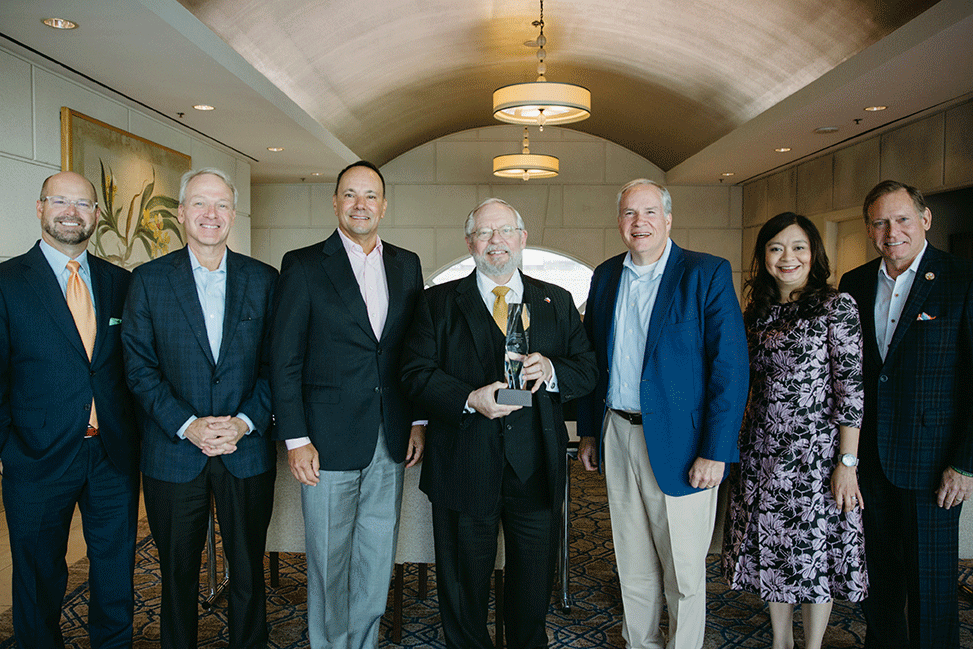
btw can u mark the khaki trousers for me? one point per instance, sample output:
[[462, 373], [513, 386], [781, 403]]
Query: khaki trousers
[[660, 544]]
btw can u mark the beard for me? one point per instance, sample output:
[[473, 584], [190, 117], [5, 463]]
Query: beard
[[489, 269], [71, 237]]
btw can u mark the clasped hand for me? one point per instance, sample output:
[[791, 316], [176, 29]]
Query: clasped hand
[[216, 435]]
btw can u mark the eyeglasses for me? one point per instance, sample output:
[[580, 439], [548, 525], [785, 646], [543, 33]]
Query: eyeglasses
[[485, 234], [62, 203]]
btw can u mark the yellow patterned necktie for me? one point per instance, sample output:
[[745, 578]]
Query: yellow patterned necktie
[[500, 308], [79, 302]]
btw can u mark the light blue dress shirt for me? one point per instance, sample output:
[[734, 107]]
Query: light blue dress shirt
[[59, 264], [637, 290]]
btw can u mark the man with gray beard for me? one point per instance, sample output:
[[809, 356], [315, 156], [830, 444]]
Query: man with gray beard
[[486, 462]]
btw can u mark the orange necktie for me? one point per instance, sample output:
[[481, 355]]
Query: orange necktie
[[79, 302], [500, 307]]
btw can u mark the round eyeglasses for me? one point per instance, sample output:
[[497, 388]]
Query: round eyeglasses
[[485, 234]]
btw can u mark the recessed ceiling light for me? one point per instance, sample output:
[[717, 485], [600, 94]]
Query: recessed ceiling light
[[727, 174], [275, 149], [315, 173], [783, 149], [60, 23], [875, 109], [203, 107], [826, 130]]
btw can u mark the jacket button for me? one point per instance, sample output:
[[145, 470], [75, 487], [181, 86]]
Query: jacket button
[[91, 373], [216, 381], [883, 378], [379, 351], [87, 406], [378, 389]]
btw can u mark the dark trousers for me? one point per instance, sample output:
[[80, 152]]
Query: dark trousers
[[466, 550], [178, 514], [39, 519], [911, 551]]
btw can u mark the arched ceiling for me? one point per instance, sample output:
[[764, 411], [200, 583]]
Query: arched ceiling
[[667, 77], [697, 87]]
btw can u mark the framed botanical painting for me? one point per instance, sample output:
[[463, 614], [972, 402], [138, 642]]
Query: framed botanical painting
[[137, 182]]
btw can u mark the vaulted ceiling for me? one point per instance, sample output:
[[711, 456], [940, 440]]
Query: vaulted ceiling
[[688, 84]]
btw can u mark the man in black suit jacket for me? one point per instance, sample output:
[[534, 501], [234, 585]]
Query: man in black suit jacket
[[196, 324], [916, 306], [486, 462], [343, 307], [66, 424]]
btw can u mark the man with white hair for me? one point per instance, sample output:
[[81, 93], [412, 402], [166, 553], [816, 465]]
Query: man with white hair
[[486, 462]]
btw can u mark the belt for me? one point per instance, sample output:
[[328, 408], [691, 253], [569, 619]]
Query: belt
[[91, 432], [634, 418]]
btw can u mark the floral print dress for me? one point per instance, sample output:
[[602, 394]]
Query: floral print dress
[[785, 539]]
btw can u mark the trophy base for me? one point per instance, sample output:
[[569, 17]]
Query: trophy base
[[508, 397]]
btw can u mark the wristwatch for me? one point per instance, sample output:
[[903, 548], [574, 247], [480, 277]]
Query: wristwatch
[[848, 459]]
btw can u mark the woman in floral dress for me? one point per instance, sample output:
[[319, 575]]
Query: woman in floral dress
[[794, 530]]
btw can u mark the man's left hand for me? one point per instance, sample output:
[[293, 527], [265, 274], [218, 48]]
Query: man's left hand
[[417, 443], [228, 431], [706, 474], [537, 368], [954, 488]]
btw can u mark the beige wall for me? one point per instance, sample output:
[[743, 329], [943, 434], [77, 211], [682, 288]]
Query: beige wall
[[431, 189], [31, 97], [933, 153]]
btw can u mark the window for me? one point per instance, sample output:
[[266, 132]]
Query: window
[[552, 267]]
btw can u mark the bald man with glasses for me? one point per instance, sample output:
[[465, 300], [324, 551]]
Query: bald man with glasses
[[67, 432]]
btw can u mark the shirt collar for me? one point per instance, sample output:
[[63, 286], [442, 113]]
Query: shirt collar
[[352, 247], [653, 270], [486, 284], [59, 261], [195, 265], [913, 267]]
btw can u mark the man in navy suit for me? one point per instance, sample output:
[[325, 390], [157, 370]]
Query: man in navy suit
[[195, 331], [67, 433], [343, 307], [672, 386], [916, 448]]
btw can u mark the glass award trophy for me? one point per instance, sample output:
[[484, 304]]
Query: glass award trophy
[[516, 392]]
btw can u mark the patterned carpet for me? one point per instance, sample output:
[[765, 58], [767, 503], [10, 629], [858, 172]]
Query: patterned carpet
[[734, 619]]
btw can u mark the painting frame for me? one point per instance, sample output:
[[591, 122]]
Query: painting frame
[[136, 184]]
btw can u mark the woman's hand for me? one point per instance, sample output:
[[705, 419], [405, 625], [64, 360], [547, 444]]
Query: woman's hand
[[844, 487]]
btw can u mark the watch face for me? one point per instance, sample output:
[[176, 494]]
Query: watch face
[[849, 460]]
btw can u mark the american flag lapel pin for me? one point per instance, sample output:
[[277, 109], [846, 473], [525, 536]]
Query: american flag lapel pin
[[925, 317], [548, 300]]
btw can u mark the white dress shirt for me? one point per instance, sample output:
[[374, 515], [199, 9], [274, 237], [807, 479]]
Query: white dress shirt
[[890, 298]]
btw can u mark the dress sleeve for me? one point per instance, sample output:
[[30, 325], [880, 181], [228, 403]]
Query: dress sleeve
[[845, 355]]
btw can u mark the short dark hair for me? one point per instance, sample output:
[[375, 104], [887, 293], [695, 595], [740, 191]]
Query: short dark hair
[[762, 289], [360, 163], [889, 187]]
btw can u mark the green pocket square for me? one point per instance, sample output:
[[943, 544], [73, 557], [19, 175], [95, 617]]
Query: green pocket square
[[114, 321]]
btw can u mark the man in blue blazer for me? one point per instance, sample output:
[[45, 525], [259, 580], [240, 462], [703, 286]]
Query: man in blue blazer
[[195, 334], [67, 433], [673, 376], [916, 465]]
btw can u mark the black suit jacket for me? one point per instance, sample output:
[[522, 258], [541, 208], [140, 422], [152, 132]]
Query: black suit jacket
[[917, 402], [448, 356], [172, 372], [334, 381], [46, 380]]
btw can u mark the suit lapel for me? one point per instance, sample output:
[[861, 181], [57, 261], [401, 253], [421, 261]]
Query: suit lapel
[[184, 289], [921, 287], [471, 306], [338, 269], [866, 308], [671, 277], [41, 278], [102, 290], [236, 289], [606, 310], [394, 282]]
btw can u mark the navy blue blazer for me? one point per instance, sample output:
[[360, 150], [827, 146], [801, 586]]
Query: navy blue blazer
[[333, 380], [696, 368], [46, 380], [172, 372], [918, 415]]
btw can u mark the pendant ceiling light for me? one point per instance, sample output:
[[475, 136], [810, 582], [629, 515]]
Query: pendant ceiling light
[[541, 102], [525, 165]]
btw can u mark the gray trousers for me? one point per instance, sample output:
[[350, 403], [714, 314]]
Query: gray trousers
[[351, 523]]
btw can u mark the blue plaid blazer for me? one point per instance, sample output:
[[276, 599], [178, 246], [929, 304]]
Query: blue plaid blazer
[[173, 375], [917, 402]]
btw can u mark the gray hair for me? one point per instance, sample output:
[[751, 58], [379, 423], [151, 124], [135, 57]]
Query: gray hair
[[666, 198], [219, 173], [471, 219]]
